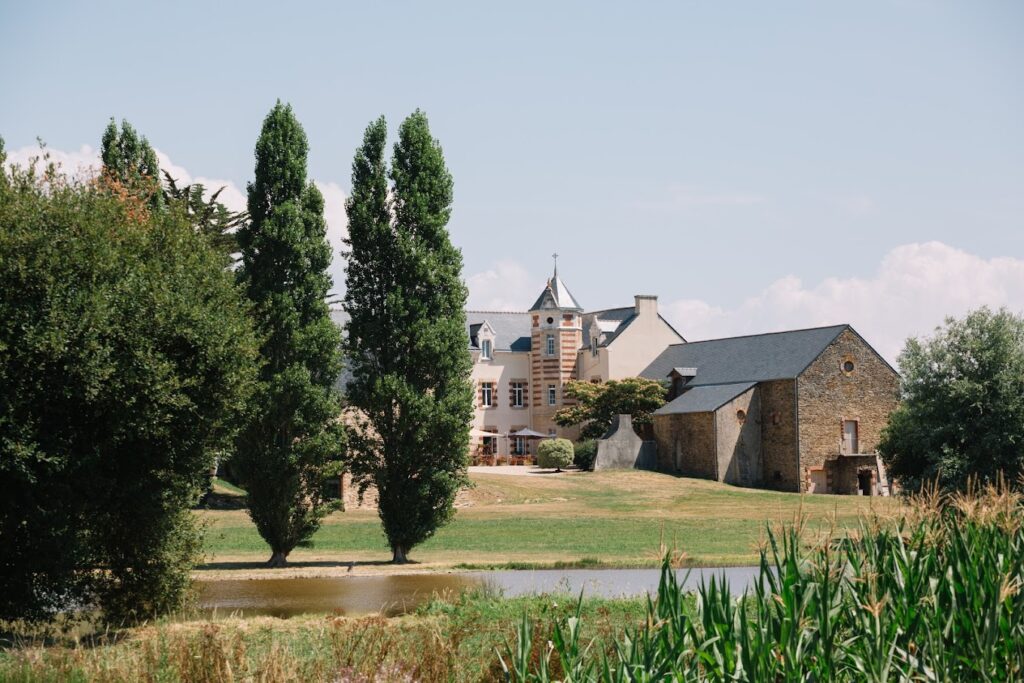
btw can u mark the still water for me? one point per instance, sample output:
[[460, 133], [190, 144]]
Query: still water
[[400, 593]]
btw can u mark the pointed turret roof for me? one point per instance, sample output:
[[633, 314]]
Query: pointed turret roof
[[556, 295]]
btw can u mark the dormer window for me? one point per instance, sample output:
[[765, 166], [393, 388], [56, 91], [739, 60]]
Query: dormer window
[[485, 349], [593, 346]]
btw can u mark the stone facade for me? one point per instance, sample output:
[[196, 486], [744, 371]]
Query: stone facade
[[686, 444], [552, 369], [738, 440], [780, 463], [801, 410], [848, 382]]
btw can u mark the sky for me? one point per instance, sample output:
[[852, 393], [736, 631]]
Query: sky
[[758, 166]]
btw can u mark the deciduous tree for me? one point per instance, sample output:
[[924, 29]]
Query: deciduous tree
[[131, 161], [406, 338], [962, 408], [598, 404], [126, 356], [294, 439]]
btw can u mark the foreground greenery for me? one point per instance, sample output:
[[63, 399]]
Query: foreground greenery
[[597, 519], [934, 595], [126, 355]]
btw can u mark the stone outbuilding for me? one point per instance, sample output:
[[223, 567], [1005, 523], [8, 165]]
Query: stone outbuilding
[[801, 410]]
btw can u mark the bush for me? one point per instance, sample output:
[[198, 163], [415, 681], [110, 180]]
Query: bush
[[586, 452], [556, 453], [126, 357]]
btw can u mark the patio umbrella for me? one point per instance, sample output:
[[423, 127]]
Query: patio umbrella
[[481, 433], [529, 434]]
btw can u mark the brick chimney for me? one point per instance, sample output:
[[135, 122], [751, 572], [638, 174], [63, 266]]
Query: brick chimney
[[646, 304]]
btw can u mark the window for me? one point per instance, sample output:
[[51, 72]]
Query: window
[[487, 394], [552, 396], [741, 416], [848, 366], [485, 349], [517, 394], [593, 346], [519, 445], [551, 345], [551, 321]]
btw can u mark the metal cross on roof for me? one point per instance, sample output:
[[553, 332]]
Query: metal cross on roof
[[555, 257]]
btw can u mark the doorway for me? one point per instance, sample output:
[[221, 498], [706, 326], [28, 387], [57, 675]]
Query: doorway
[[850, 444], [865, 482]]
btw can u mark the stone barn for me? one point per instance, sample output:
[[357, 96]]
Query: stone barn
[[800, 410]]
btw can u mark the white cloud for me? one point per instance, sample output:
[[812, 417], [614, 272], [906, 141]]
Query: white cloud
[[501, 287], [81, 162], [337, 228], [914, 288], [86, 161]]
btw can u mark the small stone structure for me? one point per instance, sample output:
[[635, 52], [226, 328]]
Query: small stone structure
[[621, 449]]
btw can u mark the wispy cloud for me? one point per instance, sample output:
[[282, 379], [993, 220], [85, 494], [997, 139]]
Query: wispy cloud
[[912, 291]]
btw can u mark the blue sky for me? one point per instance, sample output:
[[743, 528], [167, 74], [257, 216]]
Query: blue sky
[[756, 165]]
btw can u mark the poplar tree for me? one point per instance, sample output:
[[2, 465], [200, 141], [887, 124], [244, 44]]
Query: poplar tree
[[406, 339], [294, 439], [131, 161]]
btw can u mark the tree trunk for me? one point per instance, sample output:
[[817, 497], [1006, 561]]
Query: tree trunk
[[399, 555], [277, 559]]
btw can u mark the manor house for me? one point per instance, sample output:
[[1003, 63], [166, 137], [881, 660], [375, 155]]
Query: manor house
[[522, 361]]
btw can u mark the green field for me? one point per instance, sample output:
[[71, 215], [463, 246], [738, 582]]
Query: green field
[[608, 518]]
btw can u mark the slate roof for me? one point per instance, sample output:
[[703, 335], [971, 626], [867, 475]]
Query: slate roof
[[610, 322], [511, 330], [704, 399], [559, 294], [754, 358]]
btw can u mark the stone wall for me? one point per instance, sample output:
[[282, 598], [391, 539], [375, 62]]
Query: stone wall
[[686, 444], [780, 460], [738, 428], [829, 394]]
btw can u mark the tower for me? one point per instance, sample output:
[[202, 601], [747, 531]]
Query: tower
[[556, 335]]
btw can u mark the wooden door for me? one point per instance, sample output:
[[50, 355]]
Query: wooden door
[[850, 445]]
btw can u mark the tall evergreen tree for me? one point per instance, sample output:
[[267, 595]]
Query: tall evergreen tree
[[129, 160], [406, 338], [293, 440]]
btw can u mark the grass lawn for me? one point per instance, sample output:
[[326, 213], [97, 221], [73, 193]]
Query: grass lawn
[[613, 518]]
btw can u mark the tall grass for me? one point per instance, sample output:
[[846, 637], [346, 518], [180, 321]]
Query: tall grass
[[934, 595]]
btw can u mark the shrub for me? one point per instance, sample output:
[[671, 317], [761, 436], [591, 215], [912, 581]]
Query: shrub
[[585, 453], [555, 453]]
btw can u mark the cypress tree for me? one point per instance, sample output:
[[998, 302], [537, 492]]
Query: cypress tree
[[131, 161], [406, 338], [294, 439]]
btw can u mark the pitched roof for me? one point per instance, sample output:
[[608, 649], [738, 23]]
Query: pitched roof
[[556, 295], [753, 358], [704, 399], [610, 323], [511, 330]]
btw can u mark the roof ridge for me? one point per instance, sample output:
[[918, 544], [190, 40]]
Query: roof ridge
[[605, 310], [762, 334], [473, 310]]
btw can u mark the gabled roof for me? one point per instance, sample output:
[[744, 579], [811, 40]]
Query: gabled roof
[[610, 323], [704, 399], [753, 358], [511, 330], [556, 295]]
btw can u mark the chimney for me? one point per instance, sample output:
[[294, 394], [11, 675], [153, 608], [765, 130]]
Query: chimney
[[646, 304]]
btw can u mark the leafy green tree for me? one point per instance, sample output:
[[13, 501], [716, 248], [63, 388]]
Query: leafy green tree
[[962, 413], [598, 404], [406, 338], [208, 217], [126, 358], [129, 160], [554, 453], [294, 439]]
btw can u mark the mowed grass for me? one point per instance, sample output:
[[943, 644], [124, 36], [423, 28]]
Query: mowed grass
[[617, 518]]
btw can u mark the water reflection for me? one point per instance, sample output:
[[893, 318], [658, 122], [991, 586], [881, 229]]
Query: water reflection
[[396, 594]]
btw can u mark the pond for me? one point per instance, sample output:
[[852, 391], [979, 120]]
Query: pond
[[396, 594]]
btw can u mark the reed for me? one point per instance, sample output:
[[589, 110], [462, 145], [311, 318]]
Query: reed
[[933, 595]]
